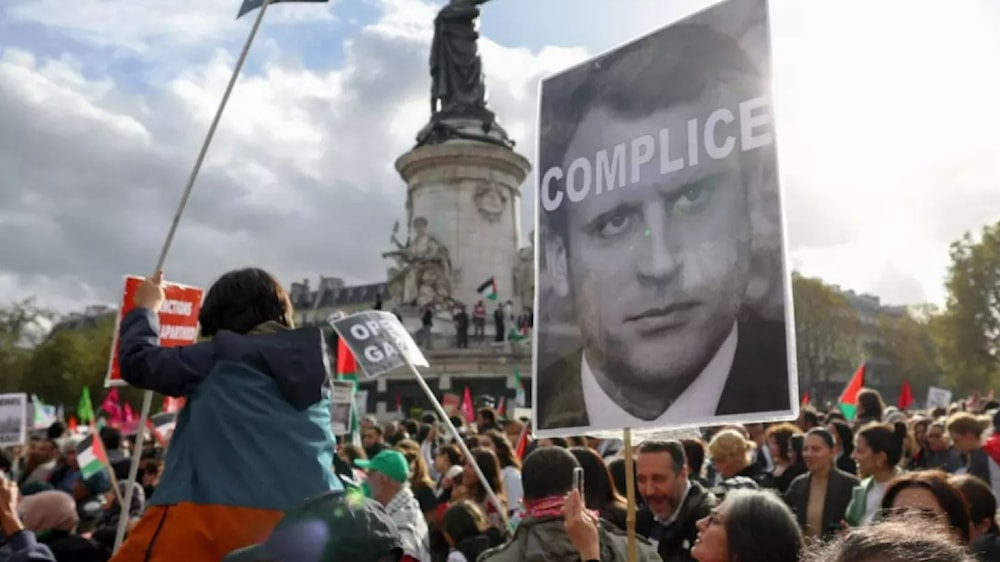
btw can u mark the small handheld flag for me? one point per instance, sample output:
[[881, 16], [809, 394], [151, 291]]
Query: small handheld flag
[[251, 5], [488, 290], [90, 456]]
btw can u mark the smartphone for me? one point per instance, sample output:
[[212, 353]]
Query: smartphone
[[578, 480]]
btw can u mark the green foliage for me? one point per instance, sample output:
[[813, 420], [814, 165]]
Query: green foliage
[[826, 331], [67, 361], [905, 341], [968, 331]]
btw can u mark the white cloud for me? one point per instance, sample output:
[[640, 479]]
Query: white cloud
[[885, 111], [299, 179]]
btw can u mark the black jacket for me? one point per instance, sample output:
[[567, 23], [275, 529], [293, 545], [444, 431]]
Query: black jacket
[[675, 541], [839, 491]]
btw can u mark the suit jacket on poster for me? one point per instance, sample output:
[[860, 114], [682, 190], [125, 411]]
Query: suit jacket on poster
[[758, 379]]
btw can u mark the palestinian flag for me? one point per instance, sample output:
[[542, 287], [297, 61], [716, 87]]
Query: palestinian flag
[[347, 369], [488, 290], [849, 398], [519, 398], [90, 456]]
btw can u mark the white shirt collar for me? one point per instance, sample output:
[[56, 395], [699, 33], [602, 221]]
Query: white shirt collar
[[695, 406]]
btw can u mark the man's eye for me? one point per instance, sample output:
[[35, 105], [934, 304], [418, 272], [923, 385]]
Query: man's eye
[[614, 225], [690, 199]]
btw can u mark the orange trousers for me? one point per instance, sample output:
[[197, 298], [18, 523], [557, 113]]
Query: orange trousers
[[195, 533]]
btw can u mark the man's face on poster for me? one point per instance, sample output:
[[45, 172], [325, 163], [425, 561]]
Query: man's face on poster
[[658, 269]]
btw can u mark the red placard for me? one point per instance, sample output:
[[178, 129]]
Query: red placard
[[178, 320]]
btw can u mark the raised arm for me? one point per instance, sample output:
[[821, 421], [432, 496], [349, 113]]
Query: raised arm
[[174, 371]]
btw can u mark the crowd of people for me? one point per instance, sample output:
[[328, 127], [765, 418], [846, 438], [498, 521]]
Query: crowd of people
[[254, 441], [889, 486]]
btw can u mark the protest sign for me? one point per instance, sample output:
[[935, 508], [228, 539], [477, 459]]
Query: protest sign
[[178, 320], [663, 298], [938, 397], [13, 419], [361, 402], [378, 341], [340, 407]]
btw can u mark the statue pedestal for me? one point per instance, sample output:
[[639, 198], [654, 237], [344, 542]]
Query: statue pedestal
[[470, 194]]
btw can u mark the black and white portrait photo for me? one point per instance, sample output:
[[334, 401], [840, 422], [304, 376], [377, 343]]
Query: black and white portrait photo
[[662, 294]]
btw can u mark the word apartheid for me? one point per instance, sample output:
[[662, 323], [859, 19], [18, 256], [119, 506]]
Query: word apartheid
[[631, 162], [172, 332]]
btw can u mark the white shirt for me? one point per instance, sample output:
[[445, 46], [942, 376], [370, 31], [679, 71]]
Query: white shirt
[[873, 502], [695, 406], [513, 487]]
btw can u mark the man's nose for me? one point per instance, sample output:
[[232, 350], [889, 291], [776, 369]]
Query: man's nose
[[661, 261]]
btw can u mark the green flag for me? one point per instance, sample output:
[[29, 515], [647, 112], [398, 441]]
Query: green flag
[[85, 409]]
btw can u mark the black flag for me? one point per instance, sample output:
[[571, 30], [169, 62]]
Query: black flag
[[251, 5]]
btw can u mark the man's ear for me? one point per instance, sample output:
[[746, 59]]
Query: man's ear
[[556, 265]]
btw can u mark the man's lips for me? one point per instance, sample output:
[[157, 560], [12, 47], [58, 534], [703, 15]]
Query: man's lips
[[663, 311], [661, 318]]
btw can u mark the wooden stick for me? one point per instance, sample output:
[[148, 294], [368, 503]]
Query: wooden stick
[[633, 547]]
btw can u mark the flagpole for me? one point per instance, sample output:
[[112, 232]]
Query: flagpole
[[490, 494], [147, 398]]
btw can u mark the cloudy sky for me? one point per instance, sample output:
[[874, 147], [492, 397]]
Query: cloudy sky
[[887, 122]]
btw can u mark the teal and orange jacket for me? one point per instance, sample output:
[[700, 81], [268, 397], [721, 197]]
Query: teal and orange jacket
[[253, 440]]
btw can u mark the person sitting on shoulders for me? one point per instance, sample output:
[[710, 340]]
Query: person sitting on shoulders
[[254, 438]]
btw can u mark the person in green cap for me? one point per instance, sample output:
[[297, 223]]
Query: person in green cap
[[388, 484]]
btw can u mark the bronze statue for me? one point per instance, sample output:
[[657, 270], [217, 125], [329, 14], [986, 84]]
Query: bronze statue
[[458, 89], [457, 86]]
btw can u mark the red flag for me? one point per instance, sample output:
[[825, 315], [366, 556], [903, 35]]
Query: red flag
[[522, 441], [905, 396], [72, 425], [467, 408], [849, 398], [129, 414], [805, 399], [502, 408], [346, 365], [113, 407], [399, 404]]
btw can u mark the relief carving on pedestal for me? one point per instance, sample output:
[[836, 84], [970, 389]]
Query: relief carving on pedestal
[[490, 200], [423, 272]]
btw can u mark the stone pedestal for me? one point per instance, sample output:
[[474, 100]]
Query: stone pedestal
[[469, 192]]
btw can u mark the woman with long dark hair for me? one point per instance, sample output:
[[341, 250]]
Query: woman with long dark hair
[[929, 494], [748, 526], [254, 438], [878, 448], [510, 469], [599, 492]]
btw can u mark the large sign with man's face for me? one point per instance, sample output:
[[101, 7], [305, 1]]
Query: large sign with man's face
[[661, 294]]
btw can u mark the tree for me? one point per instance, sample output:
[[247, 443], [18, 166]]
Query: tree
[[906, 343], [968, 332], [69, 360], [22, 325], [826, 332]]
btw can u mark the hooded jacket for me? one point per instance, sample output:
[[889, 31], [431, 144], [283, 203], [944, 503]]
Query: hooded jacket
[[253, 440], [544, 540]]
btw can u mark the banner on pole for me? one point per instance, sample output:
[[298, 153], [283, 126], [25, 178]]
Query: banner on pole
[[178, 320], [341, 404], [660, 248], [13, 419], [379, 342]]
